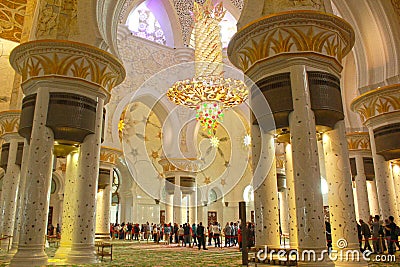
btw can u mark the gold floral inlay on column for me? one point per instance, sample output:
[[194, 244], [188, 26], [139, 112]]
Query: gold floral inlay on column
[[12, 14], [57, 19]]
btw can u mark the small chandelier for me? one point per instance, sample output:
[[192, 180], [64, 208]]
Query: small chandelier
[[209, 93]]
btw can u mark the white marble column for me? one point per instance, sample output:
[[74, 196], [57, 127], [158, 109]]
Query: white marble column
[[307, 179], [169, 211], [128, 207], [193, 207], [202, 214], [396, 180], [265, 189], [34, 219], [340, 195], [356, 203], [384, 182], [10, 189], [284, 208], [177, 206], [82, 248], [103, 210], [361, 188], [373, 198], [293, 241], [20, 200], [70, 206]]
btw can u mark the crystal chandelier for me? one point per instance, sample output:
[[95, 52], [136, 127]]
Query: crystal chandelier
[[209, 92]]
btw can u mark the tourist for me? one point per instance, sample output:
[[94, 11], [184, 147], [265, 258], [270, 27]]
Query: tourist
[[180, 234], [216, 232], [375, 229], [58, 231], [187, 234], [201, 236], [391, 227], [365, 231], [227, 233], [194, 230]]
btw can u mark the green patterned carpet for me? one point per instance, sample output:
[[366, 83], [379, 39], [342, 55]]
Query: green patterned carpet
[[126, 253]]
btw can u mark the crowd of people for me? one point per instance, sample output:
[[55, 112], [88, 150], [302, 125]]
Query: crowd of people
[[190, 235], [383, 234]]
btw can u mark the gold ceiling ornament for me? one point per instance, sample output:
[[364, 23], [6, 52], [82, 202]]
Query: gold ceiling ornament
[[209, 92], [207, 180], [121, 125], [247, 140], [214, 141]]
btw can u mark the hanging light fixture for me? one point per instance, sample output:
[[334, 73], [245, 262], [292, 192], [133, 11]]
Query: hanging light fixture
[[209, 92]]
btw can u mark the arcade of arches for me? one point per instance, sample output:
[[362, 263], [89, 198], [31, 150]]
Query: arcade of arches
[[89, 138]]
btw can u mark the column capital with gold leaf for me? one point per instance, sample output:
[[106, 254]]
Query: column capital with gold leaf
[[378, 106], [358, 142], [379, 110], [109, 156], [305, 37], [9, 123], [67, 61], [184, 169]]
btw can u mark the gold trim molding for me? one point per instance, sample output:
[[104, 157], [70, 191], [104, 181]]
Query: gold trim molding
[[291, 32], [109, 155], [380, 101], [358, 141], [69, 59], [9, 121]]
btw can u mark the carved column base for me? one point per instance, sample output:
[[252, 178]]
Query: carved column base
[[82, 253], [29, 256]]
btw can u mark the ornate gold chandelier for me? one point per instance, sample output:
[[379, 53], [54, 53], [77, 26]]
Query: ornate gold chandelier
[[209, 92]]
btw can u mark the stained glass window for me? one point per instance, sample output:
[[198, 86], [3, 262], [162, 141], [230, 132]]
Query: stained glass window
[[142, 23]]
